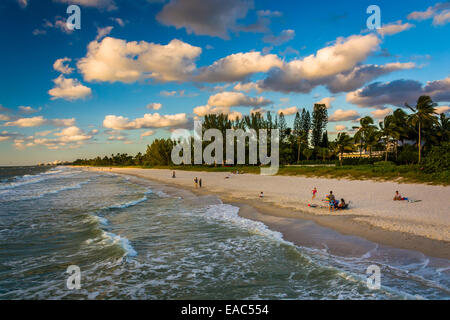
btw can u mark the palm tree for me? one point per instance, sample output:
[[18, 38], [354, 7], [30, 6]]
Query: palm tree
[[324, 153], [423, 111], [365, 125], [342, 143], [388, 130]]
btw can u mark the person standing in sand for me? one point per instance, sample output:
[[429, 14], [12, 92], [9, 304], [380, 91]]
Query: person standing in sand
[[196, 182], [200, 182], [314, 193]]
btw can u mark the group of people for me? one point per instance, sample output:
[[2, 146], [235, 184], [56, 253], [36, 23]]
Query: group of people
[[332, 202], [197, 182]]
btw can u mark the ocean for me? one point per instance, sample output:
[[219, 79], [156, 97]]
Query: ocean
[[136, 239]]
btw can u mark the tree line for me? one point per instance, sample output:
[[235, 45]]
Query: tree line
[[401, 137]]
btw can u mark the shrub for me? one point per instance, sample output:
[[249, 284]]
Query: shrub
[[438, 159]]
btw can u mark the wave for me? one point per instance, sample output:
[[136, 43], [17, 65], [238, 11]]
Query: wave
[[30, 179], [52, 192], [127, 204]]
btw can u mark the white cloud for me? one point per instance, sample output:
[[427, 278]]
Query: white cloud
[[232, 99], [442, 109], [204, 110], [326, 101], [154, 106], [60, 66], [4, 117], [340, 128], [439, 12], [113, 60], [302, 75], [40, 121], [247, 87], [238, 66], [27, 122], [343, 115], [288, 111], [103, 32], [28, 110], [147, 133], [381, 113], [394, 28], [68, 89], [148, 121]]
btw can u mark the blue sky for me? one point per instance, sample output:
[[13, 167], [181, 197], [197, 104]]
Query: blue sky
[[138, 69]]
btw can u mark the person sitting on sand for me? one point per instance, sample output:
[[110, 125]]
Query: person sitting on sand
[[397, 196], [342, 204], [261, 195]]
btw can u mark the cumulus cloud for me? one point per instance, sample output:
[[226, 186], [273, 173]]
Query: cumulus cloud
[[103, 32], [5, 135], [288, 111], [113, 60], [147, 133], [148, 121], [247, 87], [394, 28], [440, 13], [213, 17], [154, 106], [40, 121], [442, 109], [232, 99], [326, 101], [238, 66], [28, 110], [60, 66], [343, 115], [381, 113], [4, 117], [302, 75], [399, 92], [340, 128], [207, 109], [69, 89], [283, 37]]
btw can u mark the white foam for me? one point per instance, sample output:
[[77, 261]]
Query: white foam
[[123, 242], [128, 204]]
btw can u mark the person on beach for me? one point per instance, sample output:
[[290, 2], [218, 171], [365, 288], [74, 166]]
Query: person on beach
[[261, 195], [314, 193], [332, 201], [342, 205], [173, 175], [397, 196], [200, 182], [196, 182]]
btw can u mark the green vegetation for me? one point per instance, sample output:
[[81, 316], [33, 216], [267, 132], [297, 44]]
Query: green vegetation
[[409, 147]]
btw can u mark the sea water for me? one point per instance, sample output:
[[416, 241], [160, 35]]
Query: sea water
[[136, 239]]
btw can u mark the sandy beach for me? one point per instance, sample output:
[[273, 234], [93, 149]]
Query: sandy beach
[[423, 226]]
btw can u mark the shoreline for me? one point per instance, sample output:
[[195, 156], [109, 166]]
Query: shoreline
[[279, 215]]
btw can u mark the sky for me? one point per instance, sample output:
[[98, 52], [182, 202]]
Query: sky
[[136, 70]]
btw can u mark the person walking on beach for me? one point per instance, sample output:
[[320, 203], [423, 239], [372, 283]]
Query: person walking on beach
[[314, 193], [173, 175], [196, 182], [200, 182]]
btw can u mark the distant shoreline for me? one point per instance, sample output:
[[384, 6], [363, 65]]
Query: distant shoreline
[[422, 226]]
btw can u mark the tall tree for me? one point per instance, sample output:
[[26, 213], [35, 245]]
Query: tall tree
[[364, 129], [423, 111], [305, 124], [342, 144], [319, 123]]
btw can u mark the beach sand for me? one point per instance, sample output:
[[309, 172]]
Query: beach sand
[[422, 226]]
